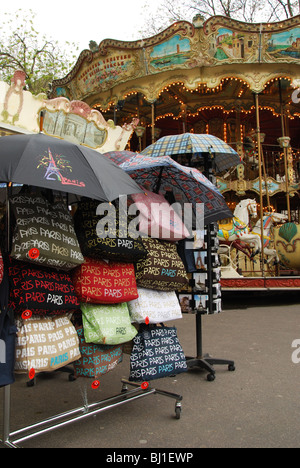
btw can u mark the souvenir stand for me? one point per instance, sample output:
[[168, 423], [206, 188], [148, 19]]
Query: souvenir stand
[[54, 272]]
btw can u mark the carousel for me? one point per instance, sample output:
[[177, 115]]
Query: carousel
[[236, 81]]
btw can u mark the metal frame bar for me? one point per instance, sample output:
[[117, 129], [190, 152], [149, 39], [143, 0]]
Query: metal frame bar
[[12, 439]]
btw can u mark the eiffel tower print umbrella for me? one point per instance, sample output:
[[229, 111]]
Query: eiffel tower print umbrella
[[48, 162]]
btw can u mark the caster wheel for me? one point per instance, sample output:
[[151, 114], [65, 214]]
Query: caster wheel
[[124, 389], [72, 378], [211, 377], [178, 412], [231, 368], [30, 383]]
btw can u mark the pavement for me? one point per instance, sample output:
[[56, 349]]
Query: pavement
[[257, 406]]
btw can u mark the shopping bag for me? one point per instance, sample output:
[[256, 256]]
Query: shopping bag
[[107, 324], [42, 291], [162, 269], [106, 236], [156, 353], [45, 344], [105, 282], [8, 332], [96, 360], [154, 307], [44, 233], [1, 267], [157, 218]]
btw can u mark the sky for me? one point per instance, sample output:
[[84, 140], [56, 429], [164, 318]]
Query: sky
[[66, 20]]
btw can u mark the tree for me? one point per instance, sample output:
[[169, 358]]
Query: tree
[[254, 11], [41, 58]]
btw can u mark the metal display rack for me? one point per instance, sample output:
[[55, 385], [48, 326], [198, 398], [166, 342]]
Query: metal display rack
[[14, 438]]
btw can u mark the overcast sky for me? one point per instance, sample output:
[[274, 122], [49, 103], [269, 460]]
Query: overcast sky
[[82, 21]]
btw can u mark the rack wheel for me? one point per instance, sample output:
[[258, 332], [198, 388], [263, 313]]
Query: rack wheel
[[30, 383], [72, 378], [178, 410], [231, 368], [211, 377]]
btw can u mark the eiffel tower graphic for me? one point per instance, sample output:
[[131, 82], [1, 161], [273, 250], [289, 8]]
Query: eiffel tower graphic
[[52, 169]]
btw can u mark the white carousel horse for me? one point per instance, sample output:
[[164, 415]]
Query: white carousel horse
[[269, 220], [238, 228]]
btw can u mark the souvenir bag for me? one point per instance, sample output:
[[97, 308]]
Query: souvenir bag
[[1, 267], [163, 269], [8, 332], [154, 307], [41, 291], [156, 353], [44, 233], [45, 344], [104, 282], [157, 218], [96, 360], [107, 324], [106, 235]]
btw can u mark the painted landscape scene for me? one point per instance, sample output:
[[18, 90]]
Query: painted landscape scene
[[285, 44], [175, 51]]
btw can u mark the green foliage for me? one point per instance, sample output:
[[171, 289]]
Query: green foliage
[[22, 47]]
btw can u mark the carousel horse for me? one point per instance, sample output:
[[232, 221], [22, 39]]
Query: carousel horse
[[268, 222], [238, 229]]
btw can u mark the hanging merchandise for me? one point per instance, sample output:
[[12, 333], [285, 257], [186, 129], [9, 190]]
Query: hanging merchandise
[[96, 359], [41, 291], [107, 324], [104, 282], [157, 218], [156, 353], [45, 344], [44, 233], [8, 332], [1, 267], [154, 307], [106, 235], [163, 269]]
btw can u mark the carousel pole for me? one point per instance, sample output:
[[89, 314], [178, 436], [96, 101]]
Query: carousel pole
[[153, 122], [260, 182], [284, 143]]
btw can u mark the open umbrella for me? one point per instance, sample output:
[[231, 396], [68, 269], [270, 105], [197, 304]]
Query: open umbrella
[[199, 145], [188, 185], [48, 162]]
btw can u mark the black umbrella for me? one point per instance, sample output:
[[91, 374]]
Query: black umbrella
[[48, 162]]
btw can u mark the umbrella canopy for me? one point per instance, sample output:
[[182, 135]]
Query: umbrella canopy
[[48, 162], [200, 145], [188, 185]]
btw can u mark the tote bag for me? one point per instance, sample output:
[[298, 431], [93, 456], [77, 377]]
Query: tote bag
[[8, 332], [156, 353], [96, 360], [42, 291], [107, 324], [45, 344], [105, 236], [163, 269], [154, 307], [44, 233], [104, 282]]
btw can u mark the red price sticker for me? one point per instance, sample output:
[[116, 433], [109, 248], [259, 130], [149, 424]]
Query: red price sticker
[[34, 253], [31, 374], [147, 320], [95, 384], [27, 314], [145, 385]]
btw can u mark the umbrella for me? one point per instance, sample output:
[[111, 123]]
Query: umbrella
[[52, 163], [199, 145], [166, 175]]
